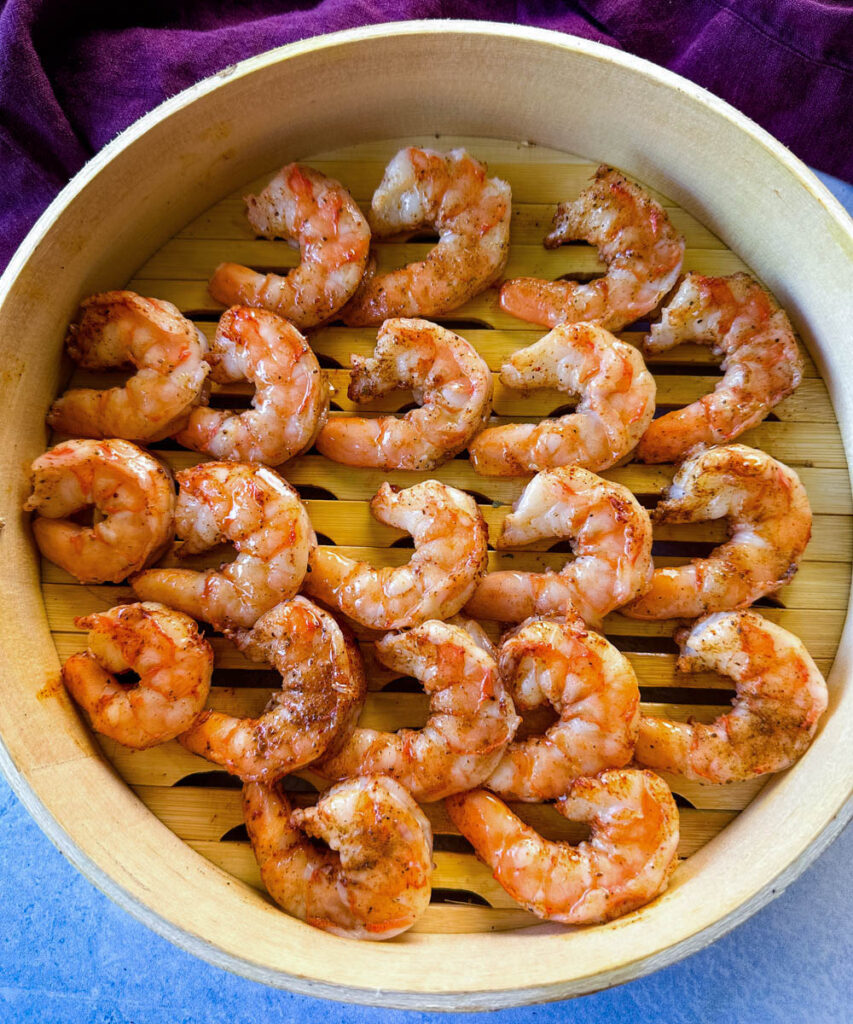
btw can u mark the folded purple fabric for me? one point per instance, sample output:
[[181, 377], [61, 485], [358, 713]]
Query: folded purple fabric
[[72, 75]]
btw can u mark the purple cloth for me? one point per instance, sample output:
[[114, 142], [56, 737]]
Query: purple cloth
[[72, 75]]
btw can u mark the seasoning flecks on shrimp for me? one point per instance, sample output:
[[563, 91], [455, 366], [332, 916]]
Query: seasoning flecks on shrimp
[[780, 697], [634, 237], [261, 515], [617, 405], [589, 684], [626, 862], [611, 536], [317, 213], [122, 327], [450, 381], [131, 492], [322, 691], [450, 192], [291, 399], [472, 717], [173, 661], [769, 520], [761, 360], [450, 556], [373, 878]]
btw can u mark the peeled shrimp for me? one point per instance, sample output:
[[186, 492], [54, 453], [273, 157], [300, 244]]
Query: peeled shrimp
[[262, 516], [450, 556], [374, 880], [168, 351], [589, 684], [634, 237], [173, 661], [770, 523], [780, 696], [450, 380], [761, 360], [624, 864], [129, 489], [318, 213], [617, 404], [291, 399], [322, 690], [450, 192], [611, 536], [472, 717]]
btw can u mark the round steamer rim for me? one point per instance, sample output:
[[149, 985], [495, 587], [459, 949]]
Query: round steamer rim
[[101, 864]]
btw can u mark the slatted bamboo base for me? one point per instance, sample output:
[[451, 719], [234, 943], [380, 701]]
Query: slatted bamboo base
[[200, 804]]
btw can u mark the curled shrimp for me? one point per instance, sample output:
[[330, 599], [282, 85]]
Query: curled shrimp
[[291, 399], [634, 237], [318, 213], [322, 690], [134, 505], [769, 521], [450, 381], [471, 720], [450, 556], [261, 515], [589, 684], [761, 360], [173, 661], [374, 877], [450, 192], [617, 404], [780, 696], [611, 536], [168, 351], [624, 864]]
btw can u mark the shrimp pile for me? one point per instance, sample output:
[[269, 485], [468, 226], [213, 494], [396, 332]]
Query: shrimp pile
[[611, 535], [322, 691], [770, 523], [291, 399], [761, 360], [450, 381], [617, 405], [472, 717], [372, 879], [261, 515], [304, 206], [780, 696], [634, 237], [450, 192], [168, 351]]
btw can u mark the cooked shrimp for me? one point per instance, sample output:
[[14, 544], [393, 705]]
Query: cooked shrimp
[[617, 404], [291, 399], [375, 879], [317, 213], [761, 360], [129, 489], [780, 696], [471, 720], [769, 520], [173, 661], [589, 684], [450, 556], [168, 351], [450, 380], [634, 237], [624, 864], [322, 690], [450, 192], [611, 536], [262, 516]]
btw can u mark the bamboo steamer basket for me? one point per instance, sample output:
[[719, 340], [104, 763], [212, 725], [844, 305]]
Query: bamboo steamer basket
[[468, 80]]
